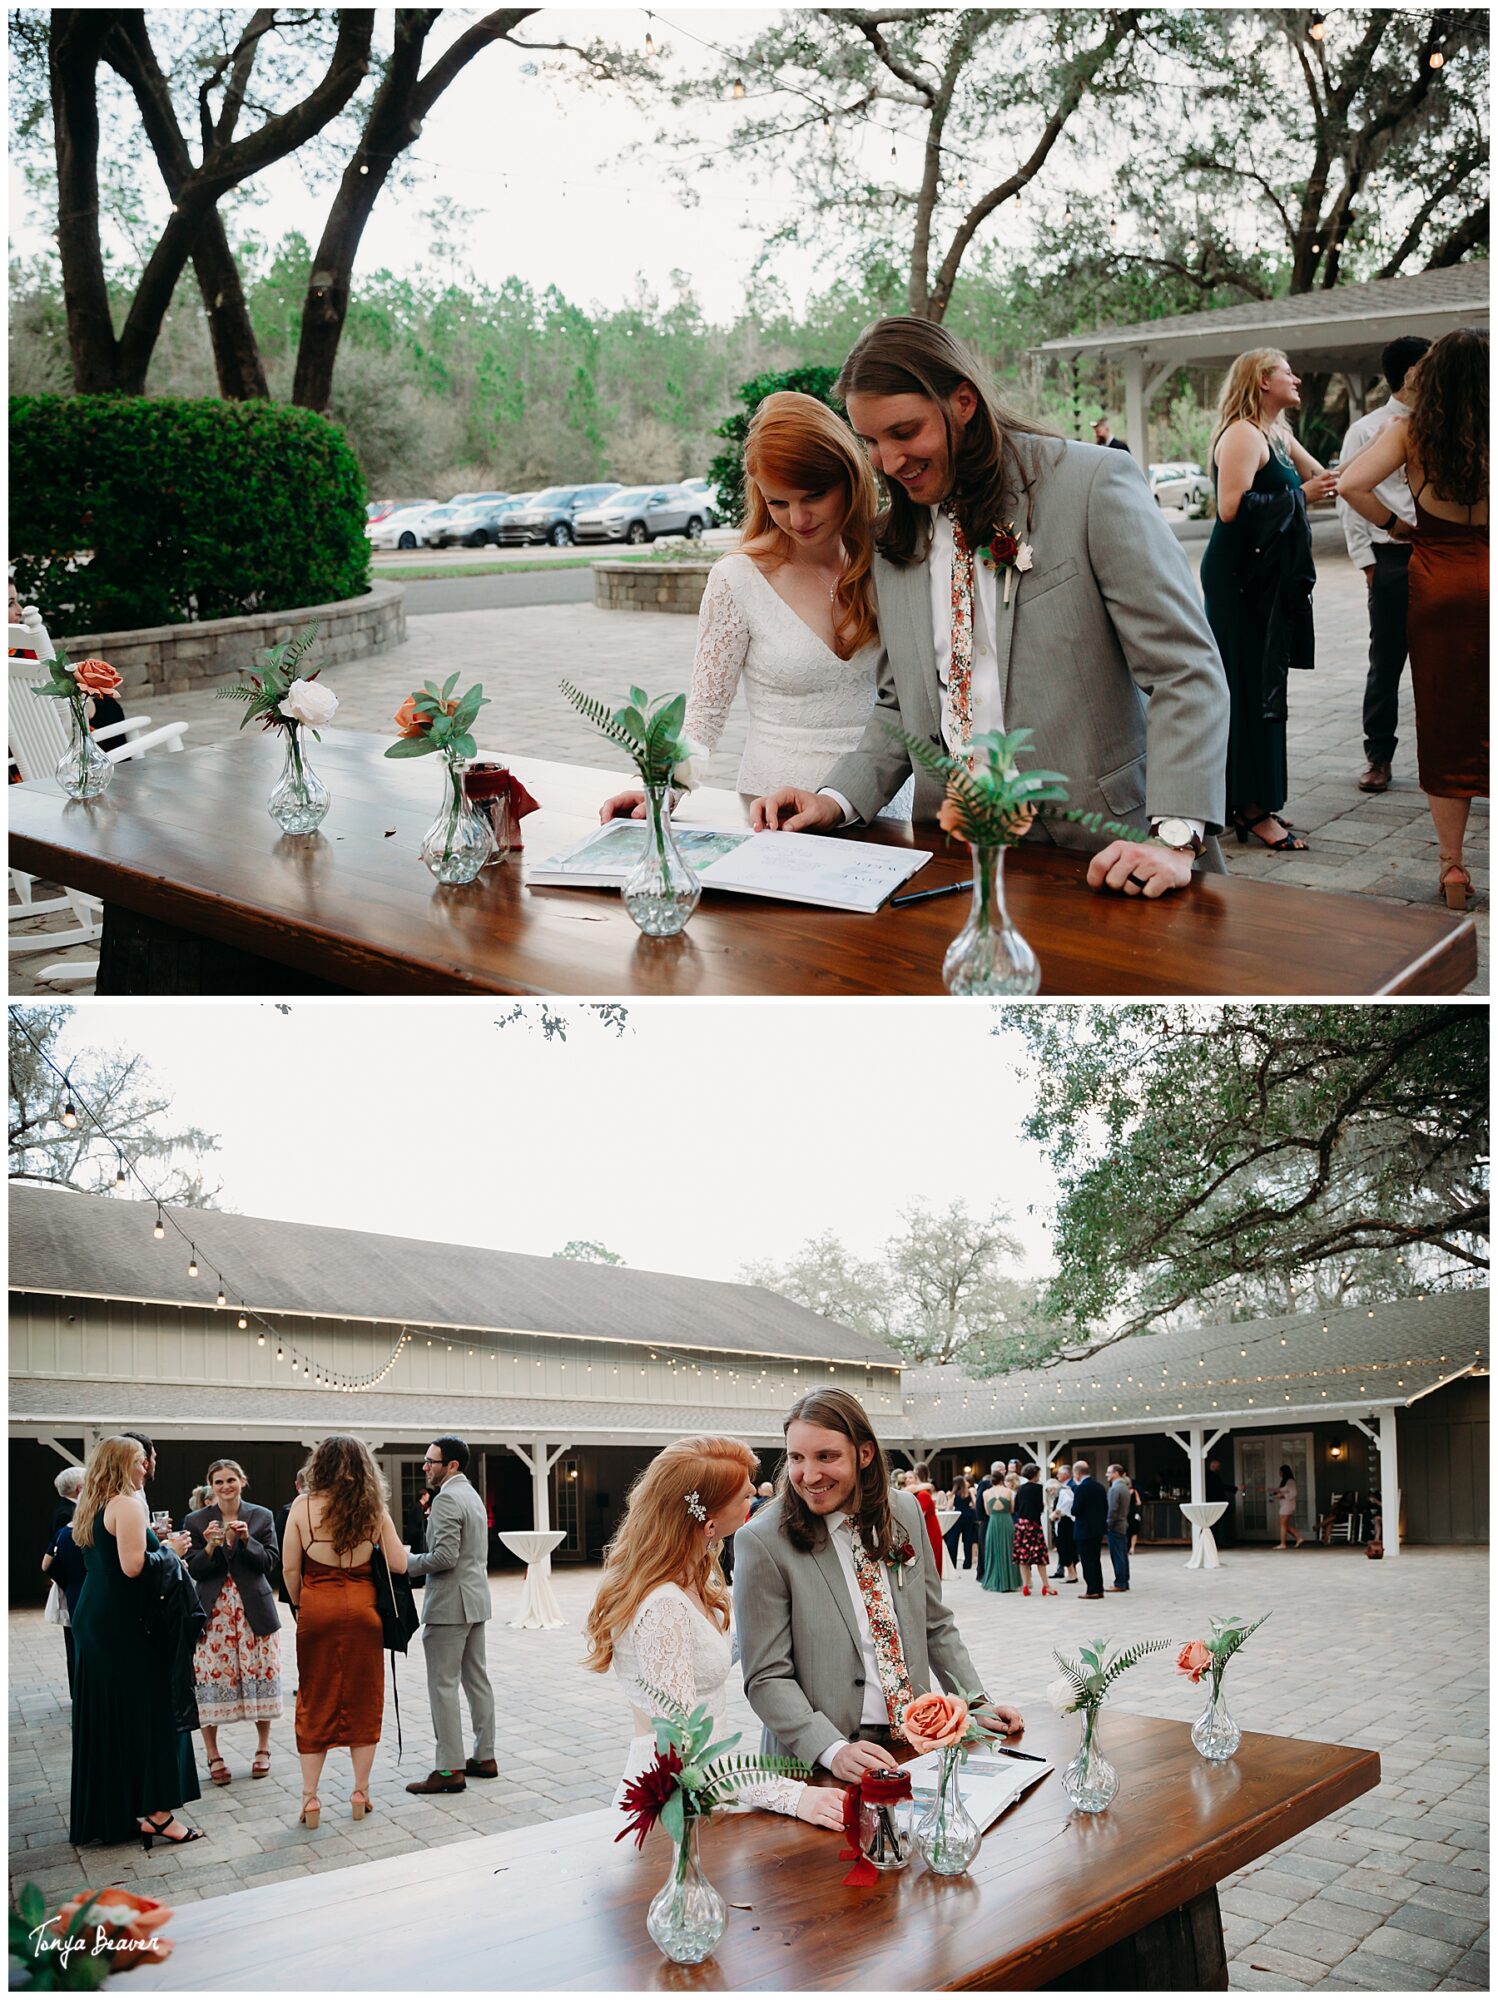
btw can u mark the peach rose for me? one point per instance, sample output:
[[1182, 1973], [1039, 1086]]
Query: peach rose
[[97, 677], [407, 719], [934, 1722], [1194, 1659], [119, 1913]]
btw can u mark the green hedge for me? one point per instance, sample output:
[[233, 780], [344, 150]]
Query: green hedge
[[192, 510], [727, 469]]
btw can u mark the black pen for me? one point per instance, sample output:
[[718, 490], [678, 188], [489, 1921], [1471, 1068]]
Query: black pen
[[925, 895], [1001, 1750]]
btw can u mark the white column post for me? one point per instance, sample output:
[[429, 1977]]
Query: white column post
[[1386, 1437], [1136, 409], [538, 1465]]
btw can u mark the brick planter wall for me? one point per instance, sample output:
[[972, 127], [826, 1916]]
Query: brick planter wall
[[174, 659], [648, 586]]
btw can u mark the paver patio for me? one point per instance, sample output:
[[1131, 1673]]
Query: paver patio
[[1390, 1894], [1373, 846]]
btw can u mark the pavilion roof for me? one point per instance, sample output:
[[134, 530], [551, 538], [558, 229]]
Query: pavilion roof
[[1347, 323], [98, 1246], [1252, 1373]]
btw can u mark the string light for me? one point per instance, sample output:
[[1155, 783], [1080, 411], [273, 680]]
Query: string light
[[69, 1116], [649, 43], [119, 1176], [737, 92], [223, 1297], [1437, 60], [160, 1228], [192, 1264], [1317, 29]]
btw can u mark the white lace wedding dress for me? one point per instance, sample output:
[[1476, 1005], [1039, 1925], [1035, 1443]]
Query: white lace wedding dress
[[806, 706], [670, 1645]]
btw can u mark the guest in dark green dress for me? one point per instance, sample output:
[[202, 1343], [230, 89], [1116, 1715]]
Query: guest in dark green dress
[[1000, 1570], [132, 1765], [1258, 605]]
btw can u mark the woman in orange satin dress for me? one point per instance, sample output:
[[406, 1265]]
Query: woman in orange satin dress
[[327, 1561], [1444, 445]]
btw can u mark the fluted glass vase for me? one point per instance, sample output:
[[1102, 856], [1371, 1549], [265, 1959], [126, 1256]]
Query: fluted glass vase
[[688, 1916], [663, 891], [460, 839], [947, 1836], [1214, 1731], [988, 955], [1090, 1780], [83, 771], [300, 802]]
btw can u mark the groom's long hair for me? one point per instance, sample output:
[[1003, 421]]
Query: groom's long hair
[[915, 357], [836, 1410]]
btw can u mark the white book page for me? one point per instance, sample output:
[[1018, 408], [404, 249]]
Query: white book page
[[804, 867], [989, 1784]]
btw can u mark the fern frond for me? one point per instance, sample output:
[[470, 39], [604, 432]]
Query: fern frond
[[602, 720], [1130, 1657], [241, 691]]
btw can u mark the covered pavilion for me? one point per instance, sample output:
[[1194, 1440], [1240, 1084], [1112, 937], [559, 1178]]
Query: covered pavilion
[[1337, 332]]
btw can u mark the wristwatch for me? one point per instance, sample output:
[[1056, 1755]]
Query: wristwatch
[[1175, 833]]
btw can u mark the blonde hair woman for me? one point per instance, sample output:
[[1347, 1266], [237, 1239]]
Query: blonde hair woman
[[661, 1619], [237, 1666], [1258, 604], [132, 1765], [790, 615]]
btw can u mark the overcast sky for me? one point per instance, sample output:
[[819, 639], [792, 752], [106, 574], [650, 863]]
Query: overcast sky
[[706, 1137]]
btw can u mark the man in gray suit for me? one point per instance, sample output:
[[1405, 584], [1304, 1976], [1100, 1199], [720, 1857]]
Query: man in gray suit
[[1099, 644], [819, 1572], [455, 1608]]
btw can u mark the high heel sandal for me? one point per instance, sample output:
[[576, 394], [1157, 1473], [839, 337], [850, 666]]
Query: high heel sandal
[[310, 1813], [1291, 844], [215, 1765], [154, 1827], [1048, 1592], [1458, 894], [1026, 1590], [361, 1802]]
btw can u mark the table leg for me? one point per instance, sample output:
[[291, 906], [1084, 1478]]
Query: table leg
[[1183, 1952], [139, 955]]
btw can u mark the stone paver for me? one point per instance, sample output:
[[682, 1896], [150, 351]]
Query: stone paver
[[1331, 1909], [1381, 847]]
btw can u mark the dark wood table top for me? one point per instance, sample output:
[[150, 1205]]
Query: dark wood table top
[[186, 840], [560, 1905]]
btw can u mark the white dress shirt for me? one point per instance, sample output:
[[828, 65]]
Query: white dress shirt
[[1394, 492], [875, 1707]]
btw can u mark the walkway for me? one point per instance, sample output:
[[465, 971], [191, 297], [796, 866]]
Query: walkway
[[1389, 1894]]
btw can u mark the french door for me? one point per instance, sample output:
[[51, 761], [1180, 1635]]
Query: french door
[[1259, 1459]]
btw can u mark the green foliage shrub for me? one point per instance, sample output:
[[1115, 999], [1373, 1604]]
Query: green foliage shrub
[[727, 469], [192, 510]]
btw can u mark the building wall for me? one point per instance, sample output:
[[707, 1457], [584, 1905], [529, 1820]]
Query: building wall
[[1443, 1464]]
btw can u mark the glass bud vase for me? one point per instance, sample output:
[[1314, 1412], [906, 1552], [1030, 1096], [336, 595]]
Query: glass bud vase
[[83, 771], [947, 1836], [988, 955], [663, 891], [300, 802], [1214, 1731], [460, 839], [1090, 1780], [687, 1916]]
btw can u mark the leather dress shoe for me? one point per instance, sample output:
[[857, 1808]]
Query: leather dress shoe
[[1377, 777], [439, 1781], [484, 1767], [1087, 1597]]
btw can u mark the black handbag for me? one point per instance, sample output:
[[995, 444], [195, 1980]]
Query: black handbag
[[396, 1601]]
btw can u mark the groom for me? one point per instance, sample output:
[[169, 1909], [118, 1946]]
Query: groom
[[1101, 648], [454, 1611], [837, 1603]]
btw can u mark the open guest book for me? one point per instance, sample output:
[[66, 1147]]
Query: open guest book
[[790, 867], [990, 1782]]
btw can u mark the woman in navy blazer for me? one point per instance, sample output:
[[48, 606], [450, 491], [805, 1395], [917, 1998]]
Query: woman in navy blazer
[[237, 1666]]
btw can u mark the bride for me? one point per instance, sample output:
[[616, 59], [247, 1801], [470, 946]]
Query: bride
[[661, 1616], [790, 615]]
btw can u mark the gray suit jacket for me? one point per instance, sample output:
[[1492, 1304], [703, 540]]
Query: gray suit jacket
[[798, 1633], [1108, 616], [456, 1562]]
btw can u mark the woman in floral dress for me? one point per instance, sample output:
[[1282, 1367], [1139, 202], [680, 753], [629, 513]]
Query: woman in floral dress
[[238, 1662]]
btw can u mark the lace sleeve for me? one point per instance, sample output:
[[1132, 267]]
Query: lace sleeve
[[663, 1648], [780, 1795], [722, 644]]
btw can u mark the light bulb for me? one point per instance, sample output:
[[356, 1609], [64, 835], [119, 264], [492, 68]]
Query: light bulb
[[222, 1298], [738, 88], [160, 1227], [1437, 60], [69, 1115], [649, 43], [119, 1178], [192, 1265], [243, 1323], [260, 1340]]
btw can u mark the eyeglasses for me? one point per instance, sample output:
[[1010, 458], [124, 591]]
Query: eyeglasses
[[434, 1461]]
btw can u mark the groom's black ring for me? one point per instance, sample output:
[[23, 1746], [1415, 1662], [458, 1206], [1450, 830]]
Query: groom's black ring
[[1138, 881]]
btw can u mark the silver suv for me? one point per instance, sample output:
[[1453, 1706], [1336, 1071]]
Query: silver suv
[[549, 515], [640, 513]]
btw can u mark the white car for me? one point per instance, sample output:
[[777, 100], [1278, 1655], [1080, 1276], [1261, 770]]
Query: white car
[[402, 529], [1180, 483]]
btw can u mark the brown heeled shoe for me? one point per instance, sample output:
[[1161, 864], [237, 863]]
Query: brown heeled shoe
[[310, 1813], [1458, 893], [362, 1803]]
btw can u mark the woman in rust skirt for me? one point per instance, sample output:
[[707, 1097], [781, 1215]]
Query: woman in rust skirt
[[1444, 445], [332, 1532]]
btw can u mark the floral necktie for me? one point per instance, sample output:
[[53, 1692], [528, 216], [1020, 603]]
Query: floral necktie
[[960, 673], [873, 1586]]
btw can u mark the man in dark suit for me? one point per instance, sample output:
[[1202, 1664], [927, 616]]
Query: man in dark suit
[[1102, 431], [1089, 1525]]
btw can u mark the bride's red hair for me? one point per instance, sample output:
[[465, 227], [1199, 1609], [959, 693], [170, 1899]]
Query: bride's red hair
[[796, 442], [659, 1539]]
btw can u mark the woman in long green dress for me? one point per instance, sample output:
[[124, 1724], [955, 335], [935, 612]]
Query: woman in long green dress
[[1254, 452], [1000, 1570], [132, 1765]]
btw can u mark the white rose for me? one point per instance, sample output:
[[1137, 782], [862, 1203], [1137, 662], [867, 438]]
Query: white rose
[[310, 702], [1026, 557], [1061, 1695]]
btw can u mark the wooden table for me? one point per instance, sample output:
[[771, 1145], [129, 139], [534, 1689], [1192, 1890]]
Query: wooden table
[[202, 893], [1124, 1900]]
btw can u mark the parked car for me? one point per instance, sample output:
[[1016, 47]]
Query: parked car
[[709, 494], [1180, 483], [640, 513], [378, 509], [403, 529], [549, 516]]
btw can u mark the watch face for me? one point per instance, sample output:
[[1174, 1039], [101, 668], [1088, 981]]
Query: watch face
[[1174, 832]]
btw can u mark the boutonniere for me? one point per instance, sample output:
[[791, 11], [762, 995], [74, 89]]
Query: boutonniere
[[900, 1558], [1005, 551]]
